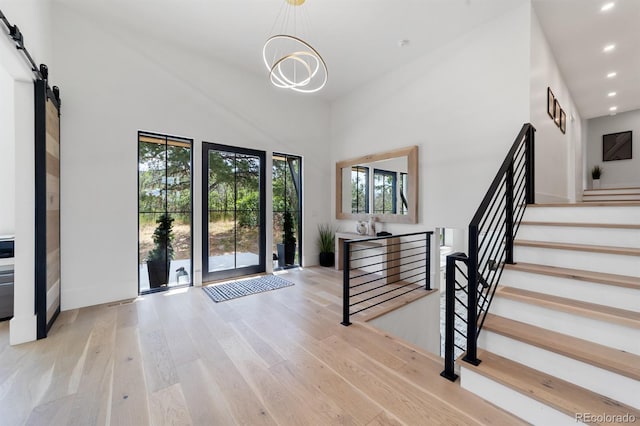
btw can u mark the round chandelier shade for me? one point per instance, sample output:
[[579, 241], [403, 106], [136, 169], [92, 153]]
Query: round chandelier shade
[[292, 62]]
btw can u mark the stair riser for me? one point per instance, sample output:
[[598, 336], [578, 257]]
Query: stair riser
[[601, 332], [613, 237], [588, 261], [595, 214], [612, 197], [608, 295], [598, 380], [512, 401]]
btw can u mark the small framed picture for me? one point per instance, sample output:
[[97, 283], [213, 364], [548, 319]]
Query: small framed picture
[[563, 121], [551, 103], [556, 112]]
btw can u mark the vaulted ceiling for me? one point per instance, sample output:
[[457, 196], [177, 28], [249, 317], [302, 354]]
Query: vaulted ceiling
[[359, 39]]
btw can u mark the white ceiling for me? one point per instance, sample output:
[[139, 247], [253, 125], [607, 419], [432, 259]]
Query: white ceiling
[[359, 38], [577, 32]]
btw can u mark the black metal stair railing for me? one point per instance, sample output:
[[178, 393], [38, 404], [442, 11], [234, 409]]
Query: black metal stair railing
[[380, 269], [472, 279]]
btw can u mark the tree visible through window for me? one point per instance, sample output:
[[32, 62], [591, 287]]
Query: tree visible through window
[[359, 189], [384, 194]]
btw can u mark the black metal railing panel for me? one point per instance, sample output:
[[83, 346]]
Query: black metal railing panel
[[472, 279], [380, 269]]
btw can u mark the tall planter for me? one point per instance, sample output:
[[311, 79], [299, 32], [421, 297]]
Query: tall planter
[[159, 258], [327, 259], [286, 254], [158, 273]]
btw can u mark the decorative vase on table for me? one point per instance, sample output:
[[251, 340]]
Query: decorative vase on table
[[596, 183]]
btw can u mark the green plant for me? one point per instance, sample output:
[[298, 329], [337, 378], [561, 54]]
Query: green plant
[[326, 239], [288, 235], [162, 240], [596, 172]]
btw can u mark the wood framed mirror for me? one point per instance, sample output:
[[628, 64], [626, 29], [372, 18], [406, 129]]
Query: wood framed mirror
[[384, 185]]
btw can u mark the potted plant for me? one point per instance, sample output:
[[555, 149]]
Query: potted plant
[[595, 175], [161, 255], [326, 244], [287, 250]]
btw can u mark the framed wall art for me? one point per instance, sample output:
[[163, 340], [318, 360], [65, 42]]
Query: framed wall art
[[617, 146]]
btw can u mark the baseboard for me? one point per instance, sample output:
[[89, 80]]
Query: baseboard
[[22, 329]]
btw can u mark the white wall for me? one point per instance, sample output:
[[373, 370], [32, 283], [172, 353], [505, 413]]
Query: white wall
[[412, 323], [7, 155], [114, 83], [558, 158], [33, 19], [463, 105], [621, 173]]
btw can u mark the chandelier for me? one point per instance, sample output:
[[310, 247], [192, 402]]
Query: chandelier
[[292, 62]]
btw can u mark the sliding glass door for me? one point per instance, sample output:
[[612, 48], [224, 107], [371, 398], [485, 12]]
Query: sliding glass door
[[233, 211]]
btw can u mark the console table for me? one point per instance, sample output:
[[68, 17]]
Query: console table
[[389, 252]]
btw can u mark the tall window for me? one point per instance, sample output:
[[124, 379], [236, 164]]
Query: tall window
[[359, 189], [287, 197], [384, 195], [164, 211]]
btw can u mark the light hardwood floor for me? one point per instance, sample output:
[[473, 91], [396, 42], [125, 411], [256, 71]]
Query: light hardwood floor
[[178, 358]]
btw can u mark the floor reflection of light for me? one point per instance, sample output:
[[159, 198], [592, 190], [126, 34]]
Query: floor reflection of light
[[175, 291]]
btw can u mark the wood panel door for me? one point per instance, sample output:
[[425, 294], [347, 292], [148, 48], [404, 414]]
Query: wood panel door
[[47, 165]]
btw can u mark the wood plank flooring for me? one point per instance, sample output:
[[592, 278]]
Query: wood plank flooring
[[276, 358]]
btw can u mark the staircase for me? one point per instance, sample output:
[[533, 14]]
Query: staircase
[[611, 194], [561, 341]]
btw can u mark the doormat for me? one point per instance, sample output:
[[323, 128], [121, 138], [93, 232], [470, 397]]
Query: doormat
[[235, 289]]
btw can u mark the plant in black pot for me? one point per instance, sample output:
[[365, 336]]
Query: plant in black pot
[[287, 250], [326, 244], [161, 255]]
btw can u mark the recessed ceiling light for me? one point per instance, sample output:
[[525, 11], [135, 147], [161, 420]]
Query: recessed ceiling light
[[612, 74], [607, 6], [609, 47], [613, 108], [612, 94]]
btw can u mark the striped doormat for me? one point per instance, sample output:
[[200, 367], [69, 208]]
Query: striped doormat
[[235, 289]]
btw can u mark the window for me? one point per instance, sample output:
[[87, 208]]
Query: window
[[384, 194], [164, 211], [359, 189], [287, 197]]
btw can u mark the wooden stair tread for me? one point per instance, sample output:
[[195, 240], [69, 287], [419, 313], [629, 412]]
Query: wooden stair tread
[[617, 361], [559, 394], [577, 274], [582, 225], [589, 204], [626, 251], [600, 312]]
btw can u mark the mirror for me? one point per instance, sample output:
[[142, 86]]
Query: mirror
[[384, 185]]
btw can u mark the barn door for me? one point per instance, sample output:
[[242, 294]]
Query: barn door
[[47, 191]]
